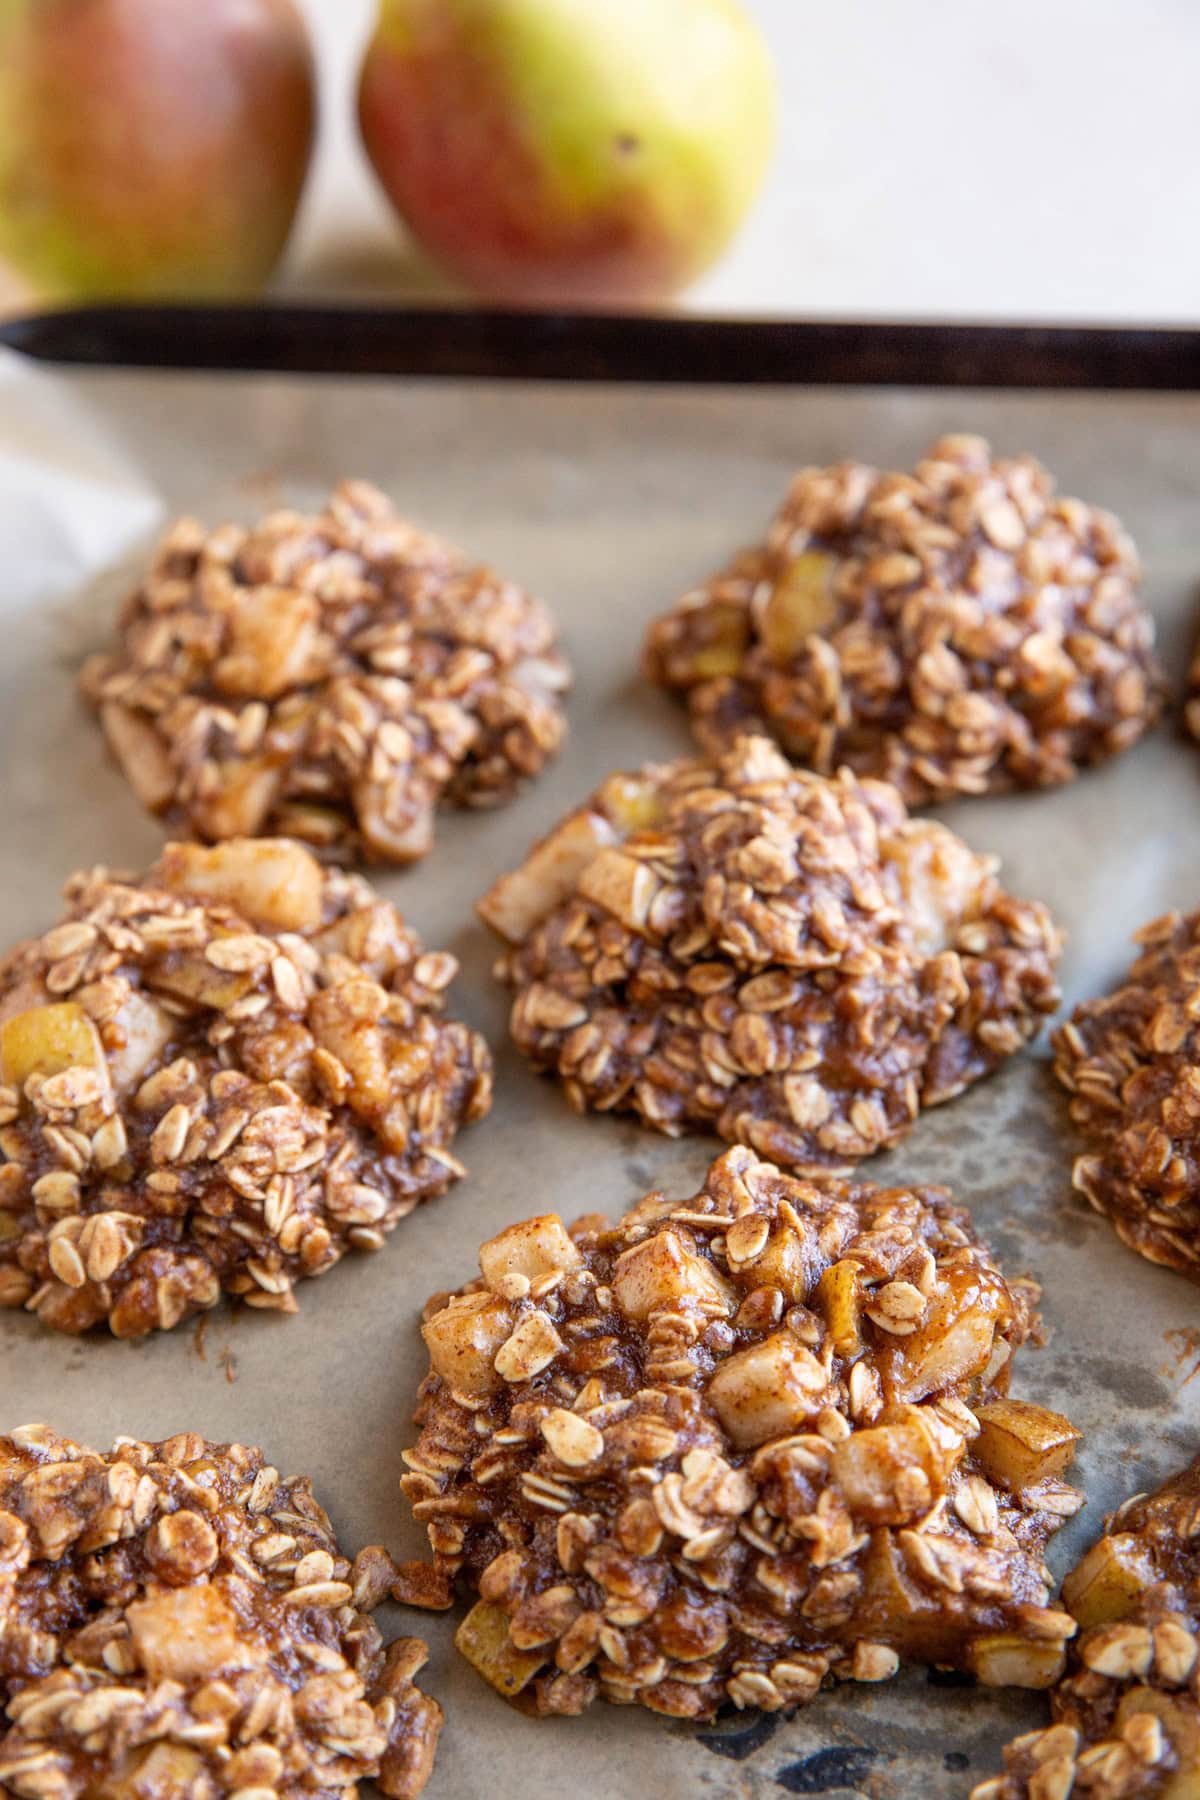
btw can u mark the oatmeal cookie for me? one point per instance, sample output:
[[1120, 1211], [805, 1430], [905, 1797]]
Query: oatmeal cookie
[[785, 959], [177, 1623], [222, 1076], [737, 1443], [958, 630], [330, 679], [1131, 1062], [1127, 1710]]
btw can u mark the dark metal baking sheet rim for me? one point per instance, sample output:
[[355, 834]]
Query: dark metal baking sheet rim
[[496, 345]]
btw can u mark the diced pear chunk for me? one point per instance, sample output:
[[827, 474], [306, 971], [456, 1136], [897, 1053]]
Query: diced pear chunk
[[146, 1030], [726, 633], [660, 1272], [1006, 1659], [45, 1040], [620, 884], [162, 1772], [802, 602], [239, 805], [891, 1472], [534, 1248], [768, 1390], [272, 881], [192, 977], [838, 1298], [1019, 1443], [141, 753], [273, 636], [463, 1339], [941, 878], [631, 802], [952, 1344], [782, 1263], [483, 1639], [519, 901], [1105, 1585], [187, 1634]]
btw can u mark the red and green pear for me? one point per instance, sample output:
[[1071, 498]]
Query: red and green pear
[[151, 148], [569, 151]]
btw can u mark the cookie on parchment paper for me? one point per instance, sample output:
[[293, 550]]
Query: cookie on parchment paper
[[960, 629], [788, 960], [221, 1076], [735, 1444], [177, 1620], [332, 678]]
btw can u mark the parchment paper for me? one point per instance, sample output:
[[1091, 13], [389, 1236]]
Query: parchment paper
[[608, 503]]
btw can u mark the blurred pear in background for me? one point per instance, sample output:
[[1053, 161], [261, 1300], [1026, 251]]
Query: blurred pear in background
[[151, 147], [569, 151]]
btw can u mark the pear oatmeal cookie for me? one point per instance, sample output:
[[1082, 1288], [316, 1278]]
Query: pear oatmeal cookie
[[220, 1077], [961, 629], [177, 1623], [332, 679], [1131, 1063], [787, 960], [738, 1443], [1127, 1710]]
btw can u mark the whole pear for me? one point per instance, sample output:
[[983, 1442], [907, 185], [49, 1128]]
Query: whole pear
[[595, 151], [151, 147]]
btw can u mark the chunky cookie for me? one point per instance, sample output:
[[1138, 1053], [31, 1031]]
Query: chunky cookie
[[177, 1623], [785, 959], [1131, 1063], [219, 1077], [738, 1443], [332, 679], [1127, 1710], [958, 630]]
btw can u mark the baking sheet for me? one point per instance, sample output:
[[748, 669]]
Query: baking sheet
[[608, 502]]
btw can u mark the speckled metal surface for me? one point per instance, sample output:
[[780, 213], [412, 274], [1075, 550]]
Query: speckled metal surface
[[607, 503]]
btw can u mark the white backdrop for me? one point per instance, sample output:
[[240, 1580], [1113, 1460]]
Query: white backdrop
[[1036, 158]]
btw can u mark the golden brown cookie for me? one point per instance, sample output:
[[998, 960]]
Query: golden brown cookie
[[958, 630], [1131, 1063], [332, 678], [177, 1623], [1127, 1710], [738, 1443], [788, 960], [221, 1076]]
